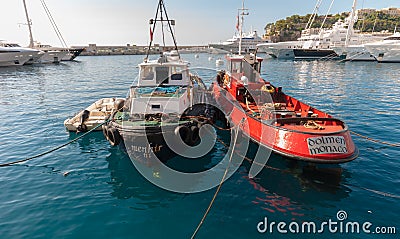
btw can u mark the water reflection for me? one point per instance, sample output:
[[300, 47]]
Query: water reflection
[[125, 180], [128, 183], [290, 187]]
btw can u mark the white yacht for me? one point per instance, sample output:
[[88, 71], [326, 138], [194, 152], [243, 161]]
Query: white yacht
[[321, 46], [387, 50], [51, 54], [355, 50], [339, 41], [284, 50], [12, 54], [249, 43], [352, 49]]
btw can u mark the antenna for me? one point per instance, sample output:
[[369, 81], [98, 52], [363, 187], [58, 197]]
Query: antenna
[[242, 12], [163, 13]]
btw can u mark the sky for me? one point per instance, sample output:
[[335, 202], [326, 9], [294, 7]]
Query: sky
[[121, 22]]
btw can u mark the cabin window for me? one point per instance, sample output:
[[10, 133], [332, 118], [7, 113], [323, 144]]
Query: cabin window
[[162, 75], [236, 67], [147, 73], [176, 73]]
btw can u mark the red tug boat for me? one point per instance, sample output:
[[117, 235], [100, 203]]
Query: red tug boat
[[277, 121]]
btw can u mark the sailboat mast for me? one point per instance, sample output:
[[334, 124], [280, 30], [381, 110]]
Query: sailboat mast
[[242, 13], [29, 25], [351, 23]]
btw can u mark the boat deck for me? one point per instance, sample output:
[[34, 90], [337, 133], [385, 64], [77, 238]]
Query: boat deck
[[295, 120]]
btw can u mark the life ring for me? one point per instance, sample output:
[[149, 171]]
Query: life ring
[[113, 136], [183, 133], [268, 88]]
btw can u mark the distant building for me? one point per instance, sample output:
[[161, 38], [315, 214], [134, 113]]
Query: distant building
[[95, 50], [392, 11], [365, 12]]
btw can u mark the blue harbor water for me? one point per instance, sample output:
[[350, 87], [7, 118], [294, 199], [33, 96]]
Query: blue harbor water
[[104, 196]]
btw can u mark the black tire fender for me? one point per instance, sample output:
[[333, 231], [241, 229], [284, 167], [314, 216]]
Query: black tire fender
[[183, 132], [113, 136]]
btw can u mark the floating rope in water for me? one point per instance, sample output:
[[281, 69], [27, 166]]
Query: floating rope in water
[[375, 140], [289, 172], [375, 191], [54, 149], [220, 184]]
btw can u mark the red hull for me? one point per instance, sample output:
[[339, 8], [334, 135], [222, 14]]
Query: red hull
[[293, 129]]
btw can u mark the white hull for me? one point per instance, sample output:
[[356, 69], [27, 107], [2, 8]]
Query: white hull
[[248, 44], [223, 49], [67, 57], [280, 50], [52, 57], [354, 53], [214, 50], [99, 112], [385, 52], [12, 58]]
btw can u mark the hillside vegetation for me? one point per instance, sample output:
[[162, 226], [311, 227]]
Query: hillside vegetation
[[291, 27]]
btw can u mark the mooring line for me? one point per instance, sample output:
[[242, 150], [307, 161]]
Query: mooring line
[[375, 140], [220, 184], [374, 191], [209, 119], [289, 172], [54, 149]]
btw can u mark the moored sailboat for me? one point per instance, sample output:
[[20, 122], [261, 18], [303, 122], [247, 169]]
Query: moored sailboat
[[51, 54]]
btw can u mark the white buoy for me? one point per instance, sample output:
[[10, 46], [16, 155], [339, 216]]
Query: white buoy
[[219, 62], [196, 56]]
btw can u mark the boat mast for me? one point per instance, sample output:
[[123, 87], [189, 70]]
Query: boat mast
[[351, 23], [314, 14], [31, 45], [163, 11], [242, 12], [323, 22]]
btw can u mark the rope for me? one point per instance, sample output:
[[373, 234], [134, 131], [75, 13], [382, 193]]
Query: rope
[[289, 172], [54, 149], [375, 140], [220, 184], [311, 124], [53, 23], [209, 120], [375, 191]]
